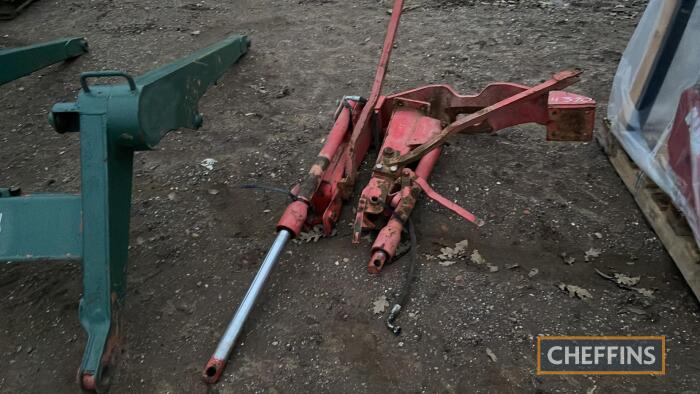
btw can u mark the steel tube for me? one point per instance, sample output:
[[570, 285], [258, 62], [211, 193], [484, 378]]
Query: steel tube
[[216, 364]]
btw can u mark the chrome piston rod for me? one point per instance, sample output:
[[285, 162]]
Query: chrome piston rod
[[217, 362]]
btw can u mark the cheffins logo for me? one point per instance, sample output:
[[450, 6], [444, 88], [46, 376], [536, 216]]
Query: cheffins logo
[[591, 355]]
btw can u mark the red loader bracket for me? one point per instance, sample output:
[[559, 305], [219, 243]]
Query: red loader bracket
[[412, 126]]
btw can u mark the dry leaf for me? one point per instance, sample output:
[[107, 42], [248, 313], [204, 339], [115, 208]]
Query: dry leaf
[[208, 163], [491, 355], [312, 235], [644, 292], [379, 306], [448, 253], [627, 280], [476, 257], [575, 291], [568, 260], [591, 254]]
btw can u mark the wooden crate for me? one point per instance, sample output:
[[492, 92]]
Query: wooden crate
[[667, 221]]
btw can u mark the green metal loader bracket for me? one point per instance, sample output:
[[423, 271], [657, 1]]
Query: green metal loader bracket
[[18, 62], [114, 121]]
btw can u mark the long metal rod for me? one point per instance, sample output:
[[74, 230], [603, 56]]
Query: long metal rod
[[217, 362]]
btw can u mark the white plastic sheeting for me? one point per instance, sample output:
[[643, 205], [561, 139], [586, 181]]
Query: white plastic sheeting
[[645, 131]]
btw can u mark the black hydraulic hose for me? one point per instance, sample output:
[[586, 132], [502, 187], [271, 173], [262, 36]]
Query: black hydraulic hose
[[408, 282]]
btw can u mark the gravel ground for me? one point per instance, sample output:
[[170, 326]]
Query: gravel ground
[[469, 327]]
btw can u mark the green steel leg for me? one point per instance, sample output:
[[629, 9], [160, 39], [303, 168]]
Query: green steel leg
[[18, 62], [106, 189]]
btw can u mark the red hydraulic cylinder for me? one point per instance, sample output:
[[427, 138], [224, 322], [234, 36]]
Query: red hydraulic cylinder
[[295, 215], [337, 134], [388, 239]]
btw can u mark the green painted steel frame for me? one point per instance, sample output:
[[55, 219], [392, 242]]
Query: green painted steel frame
[[40, 227], [18, 62], [114, 121]]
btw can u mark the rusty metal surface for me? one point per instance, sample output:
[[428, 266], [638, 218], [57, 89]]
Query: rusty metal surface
[[571, 117]]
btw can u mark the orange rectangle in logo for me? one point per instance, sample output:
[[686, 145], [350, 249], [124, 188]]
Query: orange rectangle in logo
[[601, 355]]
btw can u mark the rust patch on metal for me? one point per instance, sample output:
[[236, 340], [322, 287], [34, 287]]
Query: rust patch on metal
[[308, 187], [570, 124]]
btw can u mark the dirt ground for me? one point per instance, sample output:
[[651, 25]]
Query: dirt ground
[[197, 239]]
